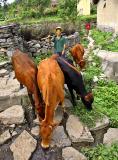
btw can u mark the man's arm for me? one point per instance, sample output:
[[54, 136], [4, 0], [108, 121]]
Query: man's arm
[[65, 46]]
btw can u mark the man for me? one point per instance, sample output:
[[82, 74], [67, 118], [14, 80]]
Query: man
[[60, 42]]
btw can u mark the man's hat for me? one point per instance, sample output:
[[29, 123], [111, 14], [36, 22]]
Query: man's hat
[[59, 28]]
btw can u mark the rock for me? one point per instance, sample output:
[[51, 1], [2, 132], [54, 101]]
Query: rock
[[37, 46], [69, 153], [95, 79], [4, 137], [99, 130], [111, 136], [58, 114], [86, 136], [59, 138], [3, 72], [23, 146], [35, 131], [109, 63], [12, 115], [100, 124], [2, 64], [36, 121], [68, 105], [74, 128]]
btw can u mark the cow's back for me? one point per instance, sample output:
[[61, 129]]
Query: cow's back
[[50, 80], [24, 67]]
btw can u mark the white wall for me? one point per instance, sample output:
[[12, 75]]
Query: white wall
[[108, 16]]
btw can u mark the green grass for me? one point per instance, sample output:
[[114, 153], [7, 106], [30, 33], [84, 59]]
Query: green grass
[[105, 103], [106, 100], [105, 97], [31, 20], [101, 152], [87, 117], [102, 39]]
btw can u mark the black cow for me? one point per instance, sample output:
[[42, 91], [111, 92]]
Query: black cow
[[74, 81]]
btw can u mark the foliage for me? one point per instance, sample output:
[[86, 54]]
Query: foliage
[[102, 39], [3, 58], [92, 69], [105, 96], [87, 117], [42, 56], [101, 152], [106, 100], [50, 11], [68, 10], [90, 18]]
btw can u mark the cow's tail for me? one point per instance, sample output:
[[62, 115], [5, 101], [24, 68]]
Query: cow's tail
[[48, 90]]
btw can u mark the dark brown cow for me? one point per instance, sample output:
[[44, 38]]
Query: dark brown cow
[[26, 73], [77, 53], [51, 83]]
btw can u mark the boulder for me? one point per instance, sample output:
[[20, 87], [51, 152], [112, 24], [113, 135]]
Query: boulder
[[109, 63], [3, 72], [12, 115], [111, 136], [74, 128], [23, 146], [69, 153], [35, 131], [6, 136], [59, 138], [100, 129]]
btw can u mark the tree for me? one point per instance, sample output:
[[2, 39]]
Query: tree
[[4, 4], [68, 9]]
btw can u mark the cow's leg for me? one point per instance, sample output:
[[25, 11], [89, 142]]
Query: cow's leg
[[33, 104], [72, 94], [39, 103]]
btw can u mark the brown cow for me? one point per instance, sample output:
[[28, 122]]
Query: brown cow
[[51, 83], [77, 53], [26, 73]]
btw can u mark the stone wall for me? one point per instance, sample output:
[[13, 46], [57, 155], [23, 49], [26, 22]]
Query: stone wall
[[10, 38], [43, 45]]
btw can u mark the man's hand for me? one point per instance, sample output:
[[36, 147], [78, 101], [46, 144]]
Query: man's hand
[[63, 52], [49, 36]]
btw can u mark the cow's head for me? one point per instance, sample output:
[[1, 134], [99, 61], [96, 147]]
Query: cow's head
[[46, 132], [77, 52], [88, 100]]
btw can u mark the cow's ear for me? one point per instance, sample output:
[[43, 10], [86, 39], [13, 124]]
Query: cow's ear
[[82, 64]]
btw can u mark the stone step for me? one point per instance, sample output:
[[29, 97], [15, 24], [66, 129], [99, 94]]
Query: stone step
[[10, 93]]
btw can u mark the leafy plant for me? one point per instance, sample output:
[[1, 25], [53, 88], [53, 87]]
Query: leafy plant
[[101, 152], [106, 100], [68, 10], [42, 56], [3, 58], [87, 117]]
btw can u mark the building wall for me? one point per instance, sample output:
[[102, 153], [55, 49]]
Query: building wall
[[83, 7], [107, 18]]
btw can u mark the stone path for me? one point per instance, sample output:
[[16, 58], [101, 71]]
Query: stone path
[[18, 141]]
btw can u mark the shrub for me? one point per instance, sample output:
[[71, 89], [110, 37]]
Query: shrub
[[101, 152], [39, 57], [50, 11], [106, 100]]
